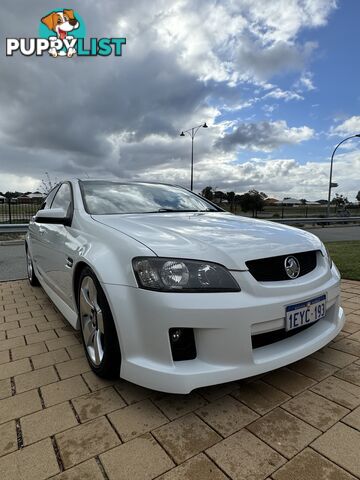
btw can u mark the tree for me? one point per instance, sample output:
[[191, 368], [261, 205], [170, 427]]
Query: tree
[[252, 201], [303, 201], [340, 201], [220, 196], [47, 183], [208, 193], [358, 196], [10, 195], [231, 198]]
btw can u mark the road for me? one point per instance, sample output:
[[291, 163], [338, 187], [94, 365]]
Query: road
[[336, 234], [13, 264]]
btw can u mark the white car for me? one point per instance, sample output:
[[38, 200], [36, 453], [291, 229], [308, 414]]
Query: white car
[[173, 293]]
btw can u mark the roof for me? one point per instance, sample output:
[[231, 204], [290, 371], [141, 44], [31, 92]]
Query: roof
[[292, 201], [35, 195]]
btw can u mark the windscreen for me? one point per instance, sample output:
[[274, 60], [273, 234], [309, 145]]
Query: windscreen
[[104, 198]]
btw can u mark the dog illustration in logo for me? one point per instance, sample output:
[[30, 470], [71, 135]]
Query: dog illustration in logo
[[62, 23]]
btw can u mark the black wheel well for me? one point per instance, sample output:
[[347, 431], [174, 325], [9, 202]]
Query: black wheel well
[[76, 277]]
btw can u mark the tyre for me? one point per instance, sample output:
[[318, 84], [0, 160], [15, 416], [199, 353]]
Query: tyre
[[97, 327], [30, 270]]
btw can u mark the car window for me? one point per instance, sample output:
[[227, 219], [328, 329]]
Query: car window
[[104, 198], [63, 198]]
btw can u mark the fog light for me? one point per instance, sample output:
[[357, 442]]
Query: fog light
[[175, 334], [182, 343]]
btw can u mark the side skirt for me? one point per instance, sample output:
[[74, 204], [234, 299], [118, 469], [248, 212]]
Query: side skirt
[[69, 314]]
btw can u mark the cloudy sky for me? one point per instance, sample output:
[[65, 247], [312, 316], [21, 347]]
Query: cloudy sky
[[277, 83]]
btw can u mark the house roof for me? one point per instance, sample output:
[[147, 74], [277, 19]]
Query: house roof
[[292, 201], [35, 195]]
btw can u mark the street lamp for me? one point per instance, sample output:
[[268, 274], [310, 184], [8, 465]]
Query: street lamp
[[192, 132], [331, 184]]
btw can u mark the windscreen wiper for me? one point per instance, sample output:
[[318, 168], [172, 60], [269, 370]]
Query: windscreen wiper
[[161, 210]]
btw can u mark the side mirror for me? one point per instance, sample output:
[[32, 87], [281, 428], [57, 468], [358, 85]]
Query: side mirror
[[56, 216]]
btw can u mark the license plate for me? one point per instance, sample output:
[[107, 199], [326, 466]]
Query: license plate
[[305, 313]]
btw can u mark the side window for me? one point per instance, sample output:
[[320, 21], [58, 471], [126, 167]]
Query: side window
[[63, 198]]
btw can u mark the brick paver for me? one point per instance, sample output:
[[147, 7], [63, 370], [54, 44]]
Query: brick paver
[[97, 403], [58, 420]]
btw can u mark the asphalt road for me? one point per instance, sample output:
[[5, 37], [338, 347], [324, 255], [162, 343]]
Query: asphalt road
[[13, 264], [336, 234]]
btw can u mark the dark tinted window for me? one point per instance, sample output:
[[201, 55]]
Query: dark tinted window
[[110, 198], [63, 197]]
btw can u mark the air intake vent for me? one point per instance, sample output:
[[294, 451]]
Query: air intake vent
[[272, 269]]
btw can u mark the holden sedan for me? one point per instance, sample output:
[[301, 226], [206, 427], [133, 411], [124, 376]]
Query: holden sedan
[[173, 293]]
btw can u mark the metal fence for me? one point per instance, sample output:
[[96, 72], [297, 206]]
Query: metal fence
[[18, 212], [273, 212]]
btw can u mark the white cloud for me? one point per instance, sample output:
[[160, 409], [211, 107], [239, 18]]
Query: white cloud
[[286, 95], [276, 177], [270, 109], [351, 126], [305, 82], [282, 20], [264, 136], [18, 183], [244, 40]]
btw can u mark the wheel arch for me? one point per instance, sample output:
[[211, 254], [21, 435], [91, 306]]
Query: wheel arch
[[79, 267]]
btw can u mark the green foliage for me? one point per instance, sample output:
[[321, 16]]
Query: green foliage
[[253, 201], [346, 257], [340, 200], [208, 193]]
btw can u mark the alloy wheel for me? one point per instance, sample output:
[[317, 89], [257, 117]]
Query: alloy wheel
[[29, 265], [92, 321]]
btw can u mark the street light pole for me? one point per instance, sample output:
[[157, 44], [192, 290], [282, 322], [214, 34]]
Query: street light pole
[[331, 169], [192, 132]]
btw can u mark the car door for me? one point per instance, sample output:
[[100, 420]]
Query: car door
[[54, 254], [36, 232]]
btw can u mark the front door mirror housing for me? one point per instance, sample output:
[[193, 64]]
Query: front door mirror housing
[[55, 216]]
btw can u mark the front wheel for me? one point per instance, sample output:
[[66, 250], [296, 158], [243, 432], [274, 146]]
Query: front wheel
[[33, 280], [97, 327]]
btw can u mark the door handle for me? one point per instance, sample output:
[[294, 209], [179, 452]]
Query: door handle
[[41, 231]]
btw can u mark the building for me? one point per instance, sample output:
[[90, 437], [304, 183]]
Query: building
[[271, 201], [36, 196], [290, 202]]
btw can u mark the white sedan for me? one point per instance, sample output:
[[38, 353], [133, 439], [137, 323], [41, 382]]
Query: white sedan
[[173, 293]]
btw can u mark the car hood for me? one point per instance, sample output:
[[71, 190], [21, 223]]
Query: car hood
[[219, 237]]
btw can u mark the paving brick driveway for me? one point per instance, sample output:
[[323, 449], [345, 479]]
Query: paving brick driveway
[[59, 420]]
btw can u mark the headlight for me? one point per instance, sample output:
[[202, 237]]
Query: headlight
[[177, 275], [328, 257]]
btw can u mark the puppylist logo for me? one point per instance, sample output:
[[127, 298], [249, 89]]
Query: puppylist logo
[[62, 34]]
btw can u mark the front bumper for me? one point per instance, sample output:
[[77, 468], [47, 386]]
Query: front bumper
[[223, 324]]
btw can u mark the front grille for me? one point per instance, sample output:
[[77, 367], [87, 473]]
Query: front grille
[[268, 338], [273, 269]]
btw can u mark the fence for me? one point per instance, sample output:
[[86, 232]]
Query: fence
[[18, 212], [272, 212]]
